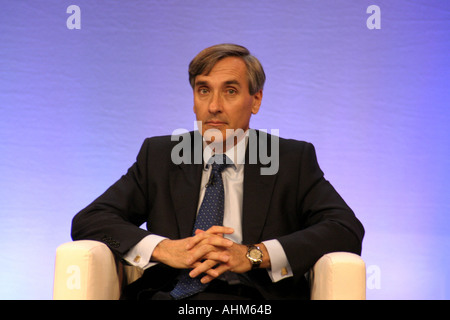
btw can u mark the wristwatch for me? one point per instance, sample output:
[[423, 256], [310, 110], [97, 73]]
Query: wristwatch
[[255, 255]]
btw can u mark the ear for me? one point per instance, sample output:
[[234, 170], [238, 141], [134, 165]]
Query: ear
[[257, 99]]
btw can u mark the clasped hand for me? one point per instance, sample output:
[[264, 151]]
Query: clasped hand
[[207, 252]]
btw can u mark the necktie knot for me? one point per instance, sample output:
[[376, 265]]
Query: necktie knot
[[219, 162]]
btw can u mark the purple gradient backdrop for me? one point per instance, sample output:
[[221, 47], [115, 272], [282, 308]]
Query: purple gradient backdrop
[[75, 106]]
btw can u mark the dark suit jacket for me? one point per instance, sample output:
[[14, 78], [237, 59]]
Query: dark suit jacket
[[297, 206]]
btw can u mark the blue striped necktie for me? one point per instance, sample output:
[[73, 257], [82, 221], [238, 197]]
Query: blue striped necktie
[[210, 214]]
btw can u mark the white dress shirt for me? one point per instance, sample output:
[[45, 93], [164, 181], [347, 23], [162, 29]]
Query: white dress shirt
[[233, 177]]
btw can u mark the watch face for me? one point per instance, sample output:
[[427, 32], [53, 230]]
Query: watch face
[[255, 254]]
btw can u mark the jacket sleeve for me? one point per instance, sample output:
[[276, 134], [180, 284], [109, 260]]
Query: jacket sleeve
[[115, 217], [327, 222]]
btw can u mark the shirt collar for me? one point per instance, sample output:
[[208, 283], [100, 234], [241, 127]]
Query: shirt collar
[[236, 153]]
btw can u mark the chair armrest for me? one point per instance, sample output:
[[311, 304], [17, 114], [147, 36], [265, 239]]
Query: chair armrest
[[85, 270], [338, 276]]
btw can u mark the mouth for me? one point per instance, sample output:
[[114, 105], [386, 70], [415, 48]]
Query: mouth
[[215, 123]]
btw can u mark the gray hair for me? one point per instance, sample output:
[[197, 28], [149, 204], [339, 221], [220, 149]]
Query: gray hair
[[207, 58]]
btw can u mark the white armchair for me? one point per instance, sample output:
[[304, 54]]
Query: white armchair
[[87, 270]]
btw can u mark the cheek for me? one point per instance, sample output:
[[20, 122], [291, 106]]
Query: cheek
[[200, 106], [197, 109]]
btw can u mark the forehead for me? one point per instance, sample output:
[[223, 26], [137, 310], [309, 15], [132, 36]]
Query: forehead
[[225, 70]]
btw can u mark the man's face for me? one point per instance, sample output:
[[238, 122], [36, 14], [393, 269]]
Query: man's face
[[222, 100]]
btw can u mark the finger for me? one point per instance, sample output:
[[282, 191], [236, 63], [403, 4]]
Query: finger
[[207, 279], [207, 238], [217, 252], [219, 257], [199, 253], [214, 273], [221, 230], [219, 241], [193, 241], [204, 267]]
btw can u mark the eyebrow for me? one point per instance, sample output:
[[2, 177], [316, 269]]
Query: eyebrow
[[201, 83], [205, 83], [232, 82]]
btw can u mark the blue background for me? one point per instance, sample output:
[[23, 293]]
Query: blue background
[[75, 106]]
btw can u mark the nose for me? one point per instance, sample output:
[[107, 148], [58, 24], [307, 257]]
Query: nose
[[216, 103]]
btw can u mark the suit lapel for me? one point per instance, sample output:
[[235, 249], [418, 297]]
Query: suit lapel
[[258, 191], [184, 183]]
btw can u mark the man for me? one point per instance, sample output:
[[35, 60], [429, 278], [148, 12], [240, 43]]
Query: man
[[272, 228]]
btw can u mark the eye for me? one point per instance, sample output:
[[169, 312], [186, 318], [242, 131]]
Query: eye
[[231, 91], [203, 90]]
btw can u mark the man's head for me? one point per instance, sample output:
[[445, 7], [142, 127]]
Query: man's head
[[207, 58], [227, 83]]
